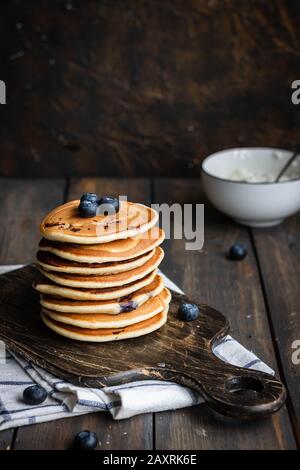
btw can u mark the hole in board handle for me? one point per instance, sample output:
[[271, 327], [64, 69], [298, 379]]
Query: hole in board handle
[[244, 385]]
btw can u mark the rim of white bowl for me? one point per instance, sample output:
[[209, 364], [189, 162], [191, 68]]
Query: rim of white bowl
[[274, 149]]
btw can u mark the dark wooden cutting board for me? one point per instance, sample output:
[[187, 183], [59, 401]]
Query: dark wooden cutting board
[[180, 352]]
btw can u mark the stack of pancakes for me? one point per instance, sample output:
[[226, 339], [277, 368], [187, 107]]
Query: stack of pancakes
[[100, 280]]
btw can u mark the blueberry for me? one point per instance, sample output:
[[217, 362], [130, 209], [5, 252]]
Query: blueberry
[[128, 306], [237, 252], [87, 208], [34, 395], [188, 312], [85, 440], [89, 197], [108, 205]]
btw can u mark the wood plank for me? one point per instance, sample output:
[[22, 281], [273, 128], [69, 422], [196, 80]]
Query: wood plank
[[279, 260], [6, 439], [234, 289], [22, 205], [59, 434], [135, 433]]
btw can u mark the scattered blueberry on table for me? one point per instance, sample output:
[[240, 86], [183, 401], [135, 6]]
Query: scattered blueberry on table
[[86, 440], [34, 395], [237, 252], [188, 312], [90, 205], [108, 205]]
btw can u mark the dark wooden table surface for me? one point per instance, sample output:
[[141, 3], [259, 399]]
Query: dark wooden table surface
[[259, 296]]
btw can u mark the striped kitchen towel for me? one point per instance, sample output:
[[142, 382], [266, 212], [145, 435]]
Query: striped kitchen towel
[[123, 401]]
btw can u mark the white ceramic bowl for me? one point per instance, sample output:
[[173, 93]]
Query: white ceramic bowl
[[258, 204]]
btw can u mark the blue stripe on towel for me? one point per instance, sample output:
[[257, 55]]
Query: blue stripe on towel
[[251, 363], [226, 340], [96, 404], [5, 412], [14, 382]]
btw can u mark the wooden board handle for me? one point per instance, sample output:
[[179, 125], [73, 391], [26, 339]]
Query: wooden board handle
[[235, 391], [246, 393], [228, 389]]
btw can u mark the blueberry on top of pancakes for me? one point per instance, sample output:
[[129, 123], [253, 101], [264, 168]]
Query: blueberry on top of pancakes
[[89, 197], [87, 208], [108, 205]]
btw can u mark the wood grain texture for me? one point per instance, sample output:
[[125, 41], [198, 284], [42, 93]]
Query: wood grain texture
[[144, 88], [122, 435], [22, 206], [234, 289], [278, 252], [6, 439]]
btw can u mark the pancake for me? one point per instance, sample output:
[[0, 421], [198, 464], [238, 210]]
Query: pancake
[[109, 280], [118, 250], [107, 334], [48, 287], [64, 224], [100, 320], [50, 262], [112, 307]]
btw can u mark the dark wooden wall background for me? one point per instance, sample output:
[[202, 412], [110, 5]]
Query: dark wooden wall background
[[144, 87]]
